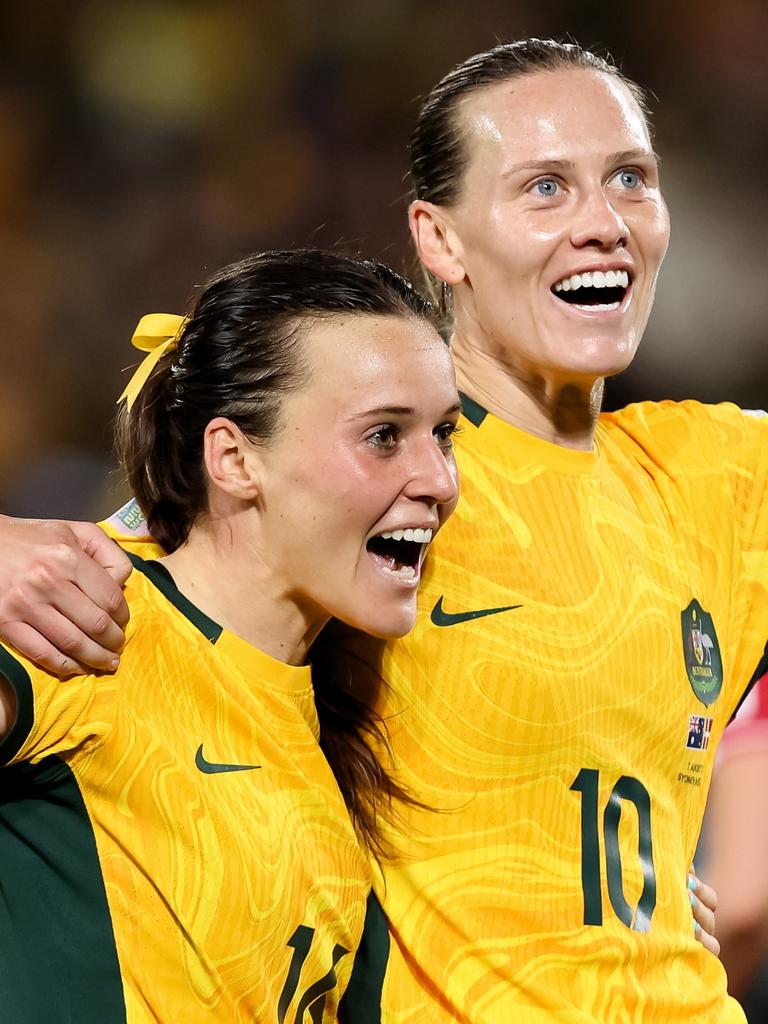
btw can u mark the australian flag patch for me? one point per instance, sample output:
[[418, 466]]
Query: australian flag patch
[[699, 729]]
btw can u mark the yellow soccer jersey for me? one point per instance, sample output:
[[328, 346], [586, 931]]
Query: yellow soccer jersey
[[589, 622], [173, 845]]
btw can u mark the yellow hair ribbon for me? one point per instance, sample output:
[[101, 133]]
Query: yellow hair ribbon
[[154, 334]]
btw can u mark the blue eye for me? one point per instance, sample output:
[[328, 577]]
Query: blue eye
[[629, 179], [547, 187]]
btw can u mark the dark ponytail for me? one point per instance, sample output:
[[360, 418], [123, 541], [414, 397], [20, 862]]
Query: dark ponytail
[[239, 352]]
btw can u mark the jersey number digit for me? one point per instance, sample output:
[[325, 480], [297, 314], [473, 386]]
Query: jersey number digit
[[314, 998], [632, 790]]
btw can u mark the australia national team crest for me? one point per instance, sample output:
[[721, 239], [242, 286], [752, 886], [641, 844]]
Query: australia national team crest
[[701, 650]]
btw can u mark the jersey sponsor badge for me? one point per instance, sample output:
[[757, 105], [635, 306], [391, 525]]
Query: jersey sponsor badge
[[701, 651], [699, 730]]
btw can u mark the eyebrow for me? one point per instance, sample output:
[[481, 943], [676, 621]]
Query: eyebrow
[[622, 157], [398, 410]]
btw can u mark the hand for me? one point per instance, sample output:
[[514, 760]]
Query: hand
[[61, 603], [703, 904]]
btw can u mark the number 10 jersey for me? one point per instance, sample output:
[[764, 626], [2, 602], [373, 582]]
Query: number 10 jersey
[[589, 622]]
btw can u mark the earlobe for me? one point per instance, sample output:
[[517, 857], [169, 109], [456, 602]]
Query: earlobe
[[436, 242], [230, 460]]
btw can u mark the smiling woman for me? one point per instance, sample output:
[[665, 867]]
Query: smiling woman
[[556, 707], [556, 253], [175, 841], [553, 702]]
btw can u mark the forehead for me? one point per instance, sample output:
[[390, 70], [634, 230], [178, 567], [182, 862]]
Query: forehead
[[359, 353], [555, 115]]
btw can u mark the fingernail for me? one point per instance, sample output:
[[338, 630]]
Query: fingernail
[[693, 882], [693, 899], [696, 927], [113, 664]]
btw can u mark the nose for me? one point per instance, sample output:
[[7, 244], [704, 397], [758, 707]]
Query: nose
[[432, 475], [599, 224]]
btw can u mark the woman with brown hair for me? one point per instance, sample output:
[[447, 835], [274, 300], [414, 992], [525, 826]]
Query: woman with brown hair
[[557, 706], [180, 841]]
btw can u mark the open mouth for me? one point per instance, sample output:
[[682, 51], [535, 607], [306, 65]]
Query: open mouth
[[400, 552], [598, 291]]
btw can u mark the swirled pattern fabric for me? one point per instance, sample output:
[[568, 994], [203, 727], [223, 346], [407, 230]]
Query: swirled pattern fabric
[[589, 622], [182, 811]]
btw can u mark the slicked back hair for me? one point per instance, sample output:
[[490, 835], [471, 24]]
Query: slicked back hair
[[438, 148]]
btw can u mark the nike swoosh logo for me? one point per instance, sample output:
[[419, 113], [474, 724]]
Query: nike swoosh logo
[[213, 767], [442, 618]]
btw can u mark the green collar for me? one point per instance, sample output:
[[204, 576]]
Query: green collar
[[158, 574]]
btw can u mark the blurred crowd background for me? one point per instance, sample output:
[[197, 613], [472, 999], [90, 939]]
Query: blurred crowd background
[[144, 143]]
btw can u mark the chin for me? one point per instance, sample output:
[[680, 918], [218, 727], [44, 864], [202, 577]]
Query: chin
[[602, 359], [386, 625]]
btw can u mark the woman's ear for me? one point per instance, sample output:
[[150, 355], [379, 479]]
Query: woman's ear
[[231, 460], [437, 244]]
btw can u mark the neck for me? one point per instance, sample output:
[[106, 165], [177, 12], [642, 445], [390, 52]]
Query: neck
[[543, 403], [229, 581]]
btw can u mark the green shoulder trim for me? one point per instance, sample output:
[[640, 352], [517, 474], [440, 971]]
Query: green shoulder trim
[[162, 579], [361, 1003], [473, 411], [21, 684]]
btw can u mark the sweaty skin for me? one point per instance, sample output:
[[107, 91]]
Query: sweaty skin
[[552, 189], [515, 231]]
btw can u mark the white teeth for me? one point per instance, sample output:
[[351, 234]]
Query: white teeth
[[405, 572], [417, 535], [595, 279], [598, 307]]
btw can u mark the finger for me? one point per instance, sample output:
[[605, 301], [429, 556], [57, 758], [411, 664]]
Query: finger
[[702, 915], [100, 587], [708, 942], [103, 550], [706, 893], [36, 648], [88, 617], [70, 640]]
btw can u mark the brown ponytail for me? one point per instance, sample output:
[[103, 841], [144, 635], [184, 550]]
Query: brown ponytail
[[238, 354]]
